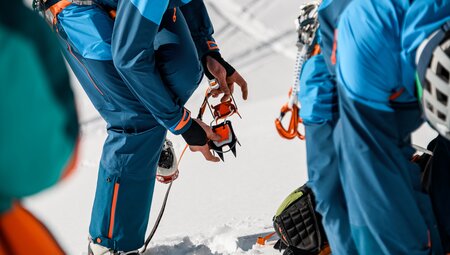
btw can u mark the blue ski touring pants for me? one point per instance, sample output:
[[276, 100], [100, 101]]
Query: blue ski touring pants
[[127, 171], [319, 112]]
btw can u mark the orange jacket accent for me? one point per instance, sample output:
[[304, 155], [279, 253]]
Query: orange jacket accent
[[333, 53], [174, 16], [316, 50], [113, 210], [23, 234], [396, 94], [57, 8], [184, 120]]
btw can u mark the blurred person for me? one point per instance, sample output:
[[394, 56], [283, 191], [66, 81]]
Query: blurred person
[[139, 62], [39, 126], [388, 211], [426, 47]]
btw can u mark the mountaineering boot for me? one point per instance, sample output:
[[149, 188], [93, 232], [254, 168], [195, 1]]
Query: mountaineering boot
[[290, 251], [95, 249], [167, 165]]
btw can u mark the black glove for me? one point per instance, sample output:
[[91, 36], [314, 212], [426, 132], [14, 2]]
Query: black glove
[[216, 55], [195, 135]]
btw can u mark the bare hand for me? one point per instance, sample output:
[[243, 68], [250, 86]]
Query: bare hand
[[204, 149], [226, 83]]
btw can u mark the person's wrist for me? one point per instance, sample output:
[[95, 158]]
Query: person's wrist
[[218, 57], [195, 135]]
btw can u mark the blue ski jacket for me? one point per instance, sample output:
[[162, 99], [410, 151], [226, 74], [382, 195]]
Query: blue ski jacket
[[380, 68], [329, 13], [133, 47], [421, 20], [131, 43], [318, 94]]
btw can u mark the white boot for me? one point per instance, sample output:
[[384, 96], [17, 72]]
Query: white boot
[[167, 166], [96, 249]]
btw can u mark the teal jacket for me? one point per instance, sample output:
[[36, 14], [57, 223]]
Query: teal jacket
[[38, 119]]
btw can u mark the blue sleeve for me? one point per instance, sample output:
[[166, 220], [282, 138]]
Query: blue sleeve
[[422, 19], [369, 58], [133, 53], [200, 26], [317, 94]]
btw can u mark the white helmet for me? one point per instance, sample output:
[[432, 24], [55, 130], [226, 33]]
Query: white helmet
[[433, 79]]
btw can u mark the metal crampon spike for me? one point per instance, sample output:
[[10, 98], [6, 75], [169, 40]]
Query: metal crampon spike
[[233, 150], [220, 154]]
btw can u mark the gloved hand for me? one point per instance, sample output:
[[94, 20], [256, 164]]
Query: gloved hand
[[197, 137], [216, 67]]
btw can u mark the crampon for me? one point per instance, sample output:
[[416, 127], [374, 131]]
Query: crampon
[[220, 124]]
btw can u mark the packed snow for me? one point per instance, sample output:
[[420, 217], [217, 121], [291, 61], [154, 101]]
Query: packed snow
[[213, 208]]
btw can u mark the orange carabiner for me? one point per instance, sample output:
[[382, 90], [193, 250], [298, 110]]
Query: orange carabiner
[[292, 131]]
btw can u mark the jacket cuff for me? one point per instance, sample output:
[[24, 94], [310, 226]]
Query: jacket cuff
[[183, 124], [205, 45]]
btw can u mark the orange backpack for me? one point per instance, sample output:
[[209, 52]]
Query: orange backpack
[[23, 234]]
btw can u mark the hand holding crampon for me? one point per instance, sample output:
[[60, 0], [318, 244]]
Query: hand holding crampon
[[204, 149], [226, 76]]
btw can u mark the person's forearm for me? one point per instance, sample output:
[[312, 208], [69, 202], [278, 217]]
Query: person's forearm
[[134, 58], [200, 26]]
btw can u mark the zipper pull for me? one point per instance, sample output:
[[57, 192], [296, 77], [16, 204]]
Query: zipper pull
[[174, 17]]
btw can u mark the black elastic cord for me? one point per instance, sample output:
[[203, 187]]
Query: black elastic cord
[[195, 135]]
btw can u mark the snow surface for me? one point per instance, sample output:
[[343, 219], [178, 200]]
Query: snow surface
[[214, 208]]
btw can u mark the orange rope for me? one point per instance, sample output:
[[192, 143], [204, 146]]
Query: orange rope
[[181, 155]]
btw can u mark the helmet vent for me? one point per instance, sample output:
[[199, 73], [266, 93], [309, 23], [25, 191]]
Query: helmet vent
[[430, 107], [441, 116], [426, 85], [441, 97], [443, 73]]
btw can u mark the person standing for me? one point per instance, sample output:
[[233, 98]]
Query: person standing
[[388, 212], [139, 64]]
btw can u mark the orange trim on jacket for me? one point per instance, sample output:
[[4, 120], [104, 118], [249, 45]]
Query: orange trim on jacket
[[184, 120], [113, 210], [333, 53]]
